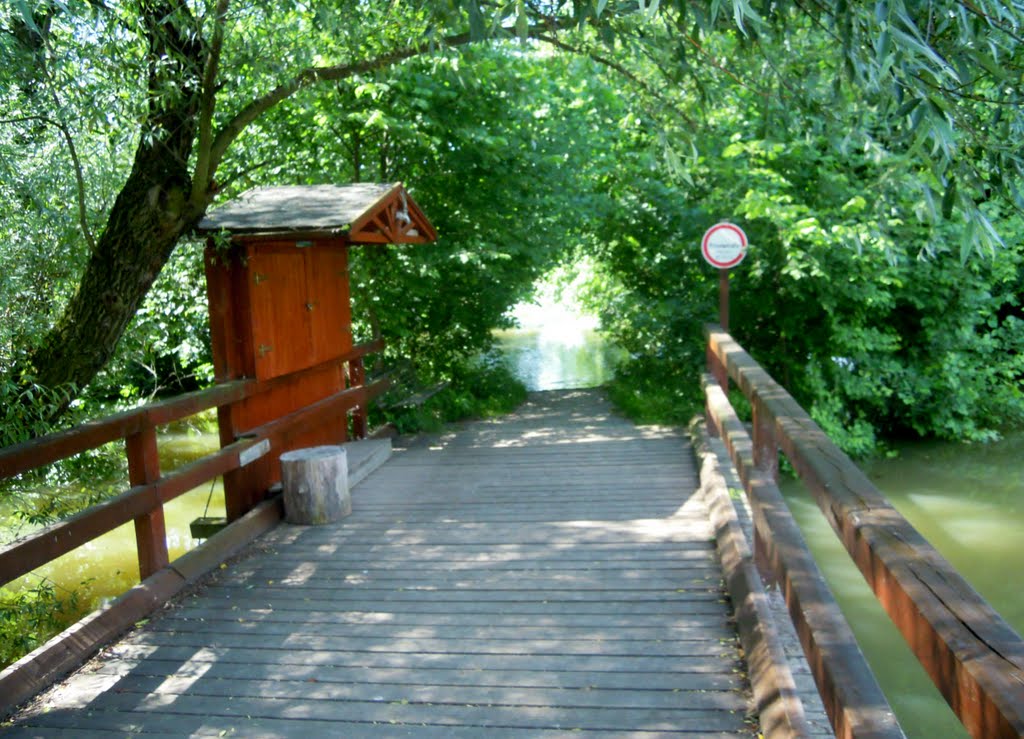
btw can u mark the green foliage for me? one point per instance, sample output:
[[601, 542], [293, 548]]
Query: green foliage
[[166, 349], [26, 409], [651, 392], [29, 617], [852, 139], [474, 390], [872, 322], [502, 149]]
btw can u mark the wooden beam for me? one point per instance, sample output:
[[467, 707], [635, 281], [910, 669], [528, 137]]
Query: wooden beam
[[60, 538], [779, 706], [853, 700], [34, 453], [972, 655]]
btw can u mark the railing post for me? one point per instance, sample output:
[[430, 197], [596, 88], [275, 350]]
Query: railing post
[[360, 415], [236, 500], [766, 450], [718, 370], [150, 531]]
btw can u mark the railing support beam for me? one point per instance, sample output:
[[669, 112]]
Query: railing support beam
[[150, 529], [972, 655]]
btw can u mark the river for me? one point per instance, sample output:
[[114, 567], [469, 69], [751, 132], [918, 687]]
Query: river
[[967, 500]]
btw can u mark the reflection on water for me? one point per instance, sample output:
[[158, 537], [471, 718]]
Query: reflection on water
[[968, 501], [546, 360], [108, 565]]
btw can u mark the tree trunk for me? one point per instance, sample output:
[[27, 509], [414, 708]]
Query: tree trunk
[[315, 482], [148, 217]]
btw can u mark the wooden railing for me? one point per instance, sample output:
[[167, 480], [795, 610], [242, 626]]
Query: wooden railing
[[143, 502], [973, 656]]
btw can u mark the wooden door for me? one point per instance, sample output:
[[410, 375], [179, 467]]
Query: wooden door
[[281, 336], [331, 313]]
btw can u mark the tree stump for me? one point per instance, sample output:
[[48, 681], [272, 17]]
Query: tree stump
[[315, 482]]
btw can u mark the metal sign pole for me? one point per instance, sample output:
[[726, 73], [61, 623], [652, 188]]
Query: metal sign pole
[[723, 298], [724, 245]]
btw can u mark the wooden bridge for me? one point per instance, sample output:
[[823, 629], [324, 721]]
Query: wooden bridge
[[555, 572]]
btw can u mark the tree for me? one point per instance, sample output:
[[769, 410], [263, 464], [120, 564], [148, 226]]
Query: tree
[[852, 294], [939, 81]]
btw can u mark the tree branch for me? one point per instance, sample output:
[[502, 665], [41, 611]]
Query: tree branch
[[203, 174], [722, 68], [307, 77], [83, 221], [617, 67]]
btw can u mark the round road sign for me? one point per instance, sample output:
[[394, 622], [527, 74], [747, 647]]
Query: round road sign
[[724, 245]]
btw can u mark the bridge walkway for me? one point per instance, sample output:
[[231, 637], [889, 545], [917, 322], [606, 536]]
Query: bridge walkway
[[547, 573]]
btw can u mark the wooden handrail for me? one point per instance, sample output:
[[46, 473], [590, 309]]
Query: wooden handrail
[[972, 655], [855, 703], [143, 501], [59, 538], [51, 448]]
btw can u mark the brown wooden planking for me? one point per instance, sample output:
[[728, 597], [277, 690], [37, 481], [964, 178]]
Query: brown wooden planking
[[565, 605], [972, 655], [70, 648], [779, 704], [855, 703]]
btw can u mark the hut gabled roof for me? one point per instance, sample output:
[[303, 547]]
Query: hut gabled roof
[[362, 213]]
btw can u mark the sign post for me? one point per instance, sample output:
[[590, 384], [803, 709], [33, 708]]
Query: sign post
[[724, 245]]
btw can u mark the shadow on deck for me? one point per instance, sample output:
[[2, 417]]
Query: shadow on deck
[[546, 573]]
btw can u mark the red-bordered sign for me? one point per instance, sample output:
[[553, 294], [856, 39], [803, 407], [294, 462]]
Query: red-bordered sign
[[724, 245]]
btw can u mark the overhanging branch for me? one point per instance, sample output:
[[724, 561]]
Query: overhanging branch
[[69, 141], [311, 76], [208, 94]]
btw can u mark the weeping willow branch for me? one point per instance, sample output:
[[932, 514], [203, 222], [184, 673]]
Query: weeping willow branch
[[69, 141]]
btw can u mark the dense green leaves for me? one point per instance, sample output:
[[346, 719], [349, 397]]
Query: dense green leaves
[[870, 150], [871, 321]]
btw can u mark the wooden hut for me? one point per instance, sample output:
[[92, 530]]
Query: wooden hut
[[280, 312]]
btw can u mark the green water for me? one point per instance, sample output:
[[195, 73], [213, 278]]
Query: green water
[[968, 501], [568, 359], [107, 566]]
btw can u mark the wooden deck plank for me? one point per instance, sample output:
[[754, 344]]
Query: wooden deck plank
[[440, 676], [184, 653], [544, 574], [576, 625], [244, 687], [414, 714], [106, 724]]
